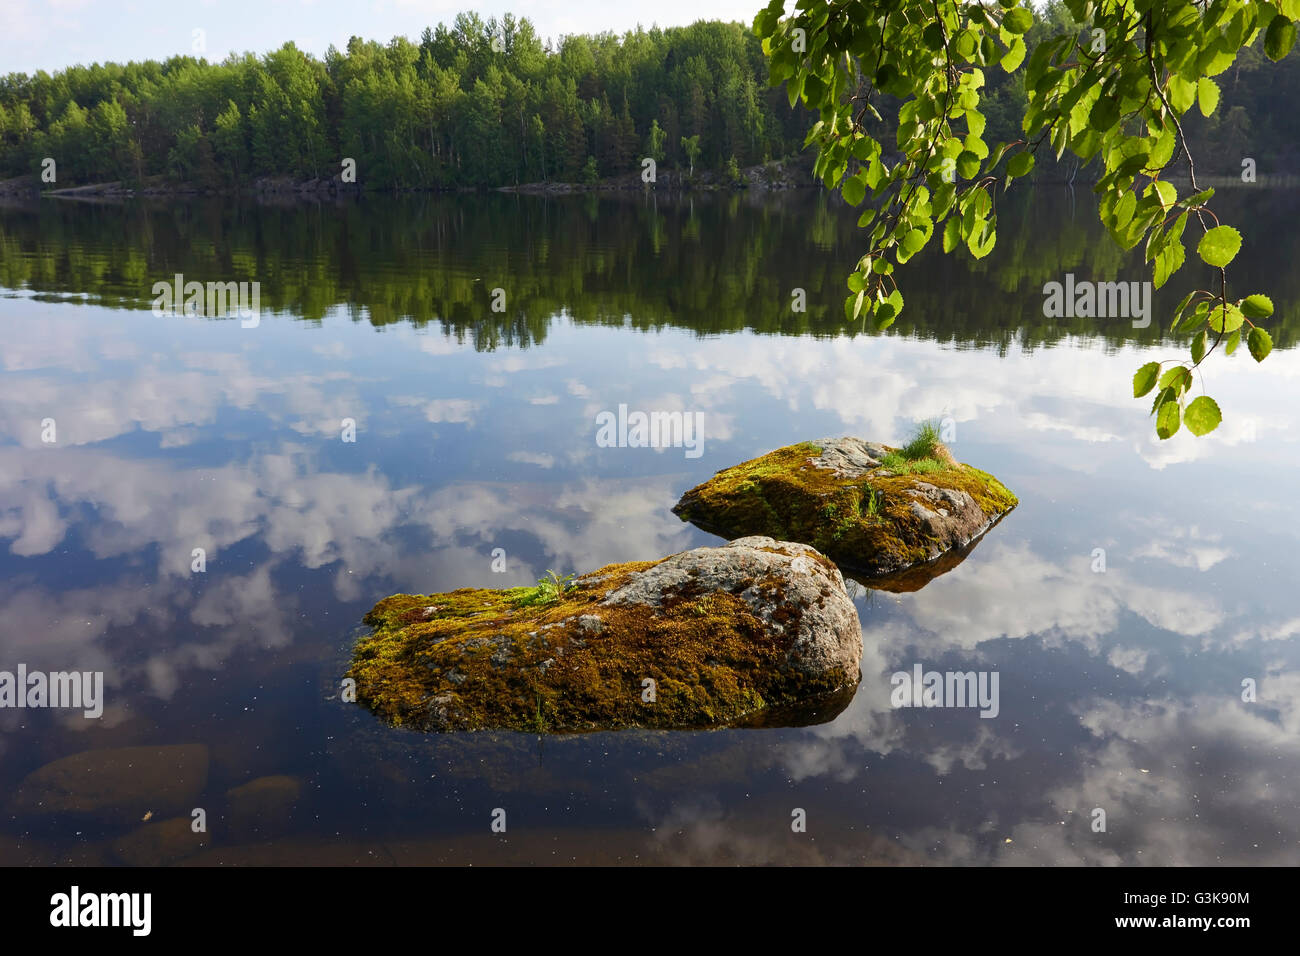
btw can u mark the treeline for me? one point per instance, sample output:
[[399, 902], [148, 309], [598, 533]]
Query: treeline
[[487, 103], [479, 103]]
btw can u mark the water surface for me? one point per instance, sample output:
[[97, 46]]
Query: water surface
[[475, 431]]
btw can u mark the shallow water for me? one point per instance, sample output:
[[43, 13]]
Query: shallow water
[[1119, 689]]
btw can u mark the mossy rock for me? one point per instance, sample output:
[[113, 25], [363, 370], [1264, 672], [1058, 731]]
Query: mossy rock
[[888, 521], [725, 634]]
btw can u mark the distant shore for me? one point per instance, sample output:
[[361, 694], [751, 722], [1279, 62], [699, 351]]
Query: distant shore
[[777, 175], [774, 175]]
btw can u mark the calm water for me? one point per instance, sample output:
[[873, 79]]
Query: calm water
[[1119, 690]]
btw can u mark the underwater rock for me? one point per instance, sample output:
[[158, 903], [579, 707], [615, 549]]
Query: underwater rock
[[160, 843], [262, 808], [704, 638], [118, 785], [863, 505]]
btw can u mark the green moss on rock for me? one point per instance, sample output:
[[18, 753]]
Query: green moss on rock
[[842, 497], [722, 632]]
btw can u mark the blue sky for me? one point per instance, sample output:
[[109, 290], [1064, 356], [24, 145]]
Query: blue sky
[[52, 34]]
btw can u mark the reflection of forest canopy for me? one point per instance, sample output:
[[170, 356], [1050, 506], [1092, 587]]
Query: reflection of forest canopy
[[713, 264], [452, 111]]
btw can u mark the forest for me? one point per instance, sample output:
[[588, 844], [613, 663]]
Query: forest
[[477, 103], [486, 103]]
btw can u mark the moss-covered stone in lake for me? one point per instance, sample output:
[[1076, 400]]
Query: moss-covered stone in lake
[[723, 633], [871, 508]]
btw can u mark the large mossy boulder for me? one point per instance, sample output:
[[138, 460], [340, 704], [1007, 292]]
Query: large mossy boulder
[[875, 511], [703, 638]]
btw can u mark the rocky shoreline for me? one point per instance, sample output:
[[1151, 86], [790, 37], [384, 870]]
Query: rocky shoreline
[[775, 175]]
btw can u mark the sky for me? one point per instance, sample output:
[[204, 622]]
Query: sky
[[53, 34]]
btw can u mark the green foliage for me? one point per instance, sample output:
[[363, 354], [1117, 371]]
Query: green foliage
[[1260, 344], [473, 103], [732, 172], [548, 591], [655, 142], [228, 142], [1202, 415], [923, 444], [691, 147], [1111, 83], [1219, 246], [872, 501], [919, 456], [900, 464], [1145, 379]]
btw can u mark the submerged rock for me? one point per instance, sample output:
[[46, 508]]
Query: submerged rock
[[862, 504], [160, 843], [263, 807], [118, 785], [703, 638]]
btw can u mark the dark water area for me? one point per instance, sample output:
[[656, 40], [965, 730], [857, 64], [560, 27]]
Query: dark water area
[[1120, 689]]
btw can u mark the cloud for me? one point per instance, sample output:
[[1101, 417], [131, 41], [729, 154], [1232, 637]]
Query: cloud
[[1185, 548], [539, 459], [460, 411]]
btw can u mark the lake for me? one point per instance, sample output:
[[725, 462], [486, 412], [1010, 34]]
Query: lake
[[1122, 604]]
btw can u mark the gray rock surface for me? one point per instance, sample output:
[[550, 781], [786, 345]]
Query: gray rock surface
[[949, 515], [848, 457], [827, 635]]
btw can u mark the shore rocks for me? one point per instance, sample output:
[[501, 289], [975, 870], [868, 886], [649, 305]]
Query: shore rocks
[[704, 638], [22, 186], [864, 505], [773, 176]]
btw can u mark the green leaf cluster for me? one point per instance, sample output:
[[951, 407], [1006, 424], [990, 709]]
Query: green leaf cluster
[[1113, 93]]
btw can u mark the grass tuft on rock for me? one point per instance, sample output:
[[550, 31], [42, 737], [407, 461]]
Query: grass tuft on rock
[[923, 444]]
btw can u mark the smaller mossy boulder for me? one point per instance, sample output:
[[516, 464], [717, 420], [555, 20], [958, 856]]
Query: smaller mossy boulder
[[704, 638], [873, 509]]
